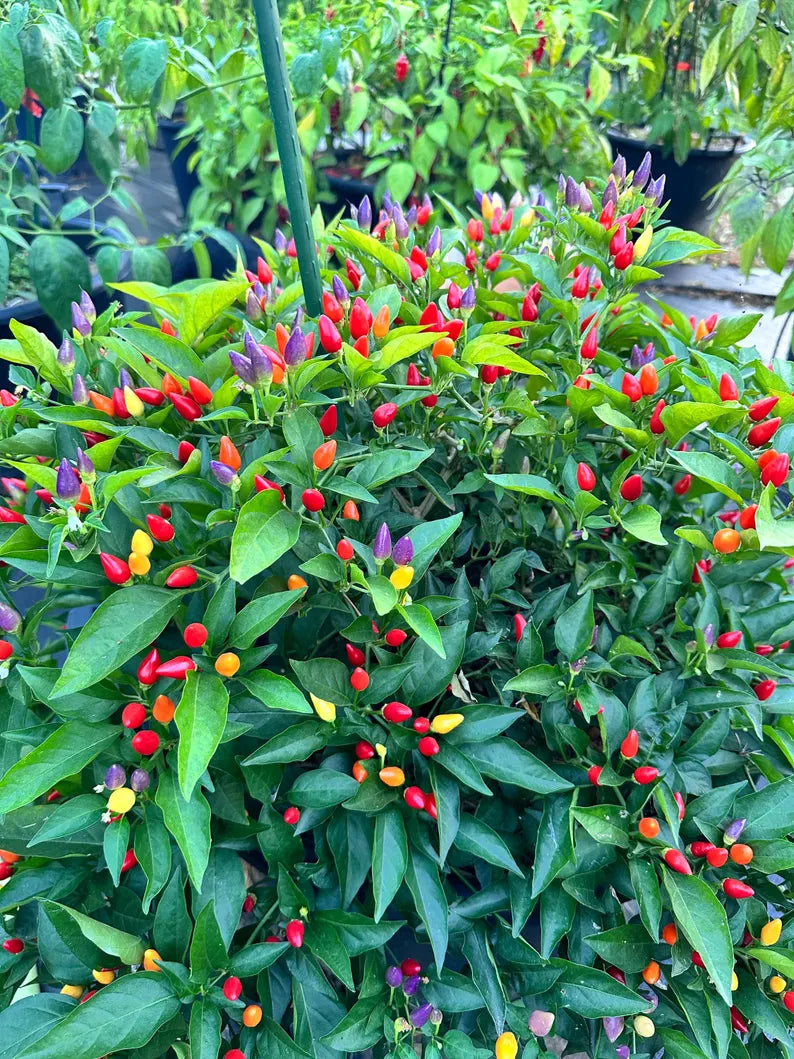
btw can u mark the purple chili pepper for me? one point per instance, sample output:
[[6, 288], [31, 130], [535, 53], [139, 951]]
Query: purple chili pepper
[[610, 194], [280, 241], [421, 1015], [618, 170], [223, 472], [642, 172], [79, 390], [478, 198], [571, 193], [394, 977], [635, 360], [411, 984], [403, 551], [250, 344], [468, 299], [386, 201], [115, 777], [540, 201], [80, 321], [261, 366], [253, 307], [585, 202], [364, 218], [434, 242], [658, 194], [10, 620], [241, 366], [561, 185], [341, 292], [708, 634], [67, 483], [733, 830], [411, 217], [623, 1052], [66, 353], [401, 229], [85, 465], [88, 307], [381, 548], [295, 349], [140, 780], [613, 1027]]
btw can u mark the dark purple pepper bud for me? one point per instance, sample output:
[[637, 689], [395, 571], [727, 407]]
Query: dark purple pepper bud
[[280, 241], [410, 217], [561, 186], [618, 170], [571, 193], [635, 360], [364, 218], [88, 307], [381, 548], [403, 551], [67, 483], [658, 194], [125, 379], [540, 201], [85, 465], [468, 299], [299, 316], [341, 292], [708, 634], [643, 171], [253, 307], [10, 620], [261, 365], [613, 1027], [79, 390], [623, 1052], [387, 201], [478, 198], [115, 777], [394, 977], [241, 366], [66, 353], [295, 349], [258, 289], [140, 780], [420, 1017], [733, 831], [610, 193], [427, 202], [249, 344], [80, 322], [434, 242], [401, 229], [223, 472], [411, 984], [585, 202]]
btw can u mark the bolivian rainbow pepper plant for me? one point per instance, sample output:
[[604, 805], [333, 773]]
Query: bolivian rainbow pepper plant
[[410, 681]]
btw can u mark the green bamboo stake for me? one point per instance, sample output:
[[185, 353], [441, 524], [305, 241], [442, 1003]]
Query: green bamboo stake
[[271, 45]]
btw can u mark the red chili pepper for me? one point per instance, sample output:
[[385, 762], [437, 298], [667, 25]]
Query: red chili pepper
[[414, 798], [313, 500], [353, 273], [701, 847], [147, 670], [679, 801], [149, 395], [384, 414], [697, 959], [729, 391], [160, 528], [776, 471], [232, 988], [421, 725], [330, 339], [261, 484], [519, 625], [594, 774], [585, 478], [130, 860], [631, 388], [623, 258], [329, 421], [581, 284], [717, 856], [607, 216], [120, 404], [589, 347], [355, 655], [7, 399], [182, 577], [176, 668], [195, 634], [6, 871], [631, 489], [676, 860], [760, 409], [428, 746], [44, 495], [14, 946], [491, 262], [430, 805], [360, 318], [133, 715], [683, 485], [146, 743], [396, 637], [199, 391], [788, 1001], [344, 550], [729, 639], [618, 975], [185, 451], [331, 307], [292, 815], [737, 889], [7, 515], [489, 373], [185, 406], [631, 743], [645, 774], [295, 931], [6, 650], [117, 571], [167, 328], [364, 750], [764, 690], [359, 679], [397, 712], [763, 432]]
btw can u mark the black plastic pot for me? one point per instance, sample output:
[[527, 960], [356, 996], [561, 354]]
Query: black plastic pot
[[178, 152], [687, 186]]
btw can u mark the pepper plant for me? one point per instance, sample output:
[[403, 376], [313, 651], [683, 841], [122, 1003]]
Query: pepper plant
[[410, 681]]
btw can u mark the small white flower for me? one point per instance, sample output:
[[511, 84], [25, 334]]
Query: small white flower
[[99, 788], [106, 817]]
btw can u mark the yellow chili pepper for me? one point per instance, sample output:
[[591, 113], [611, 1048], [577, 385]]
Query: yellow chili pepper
[[643, 1026], [734, 981], [443, 723], [104, 977], [392, 776], [506, 1045], [402, 577], [487, 208], [642, 243], [139, 564], [380, 325], [770, 932], [121, 800], [73, 990], [325, 710], [135, 405], [148, 960], [777, 984], [142, 543]]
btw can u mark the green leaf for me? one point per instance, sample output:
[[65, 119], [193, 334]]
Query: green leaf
[[115, 842], [479, 840], [389, 858], [59, 270], [323, 940], [374, 248], [188, 820], [701, 918], [207, 949], [68, 750], [423, 624], [677, 1046], [506, 761], [772, 532], [153, 850], [12, 72], [172, 924], [205, 1029], [276, 691], [123, 625], [537, 680], [573, 630], [594, 994], [110, 940], [61, 139], [644, 523], [628, 947], [605, 823], [485, 974], [742, 20], [384, 594], [648, 894], [679, 418], [123, 1015], [554, 844], [428, 538], [143, 63], [361, 1027], [68, 817], [168, 353], [430, 676], [527, 484], [29, 1018], [767, 810], [265, 530], [260, 615], [322, 788], [387, 465], [430, 901], [256, 958], [716, 472], [294, 744], [200, 718], [782, 960]]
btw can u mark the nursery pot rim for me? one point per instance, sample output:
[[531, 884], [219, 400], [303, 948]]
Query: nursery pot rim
[[740, 146]]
